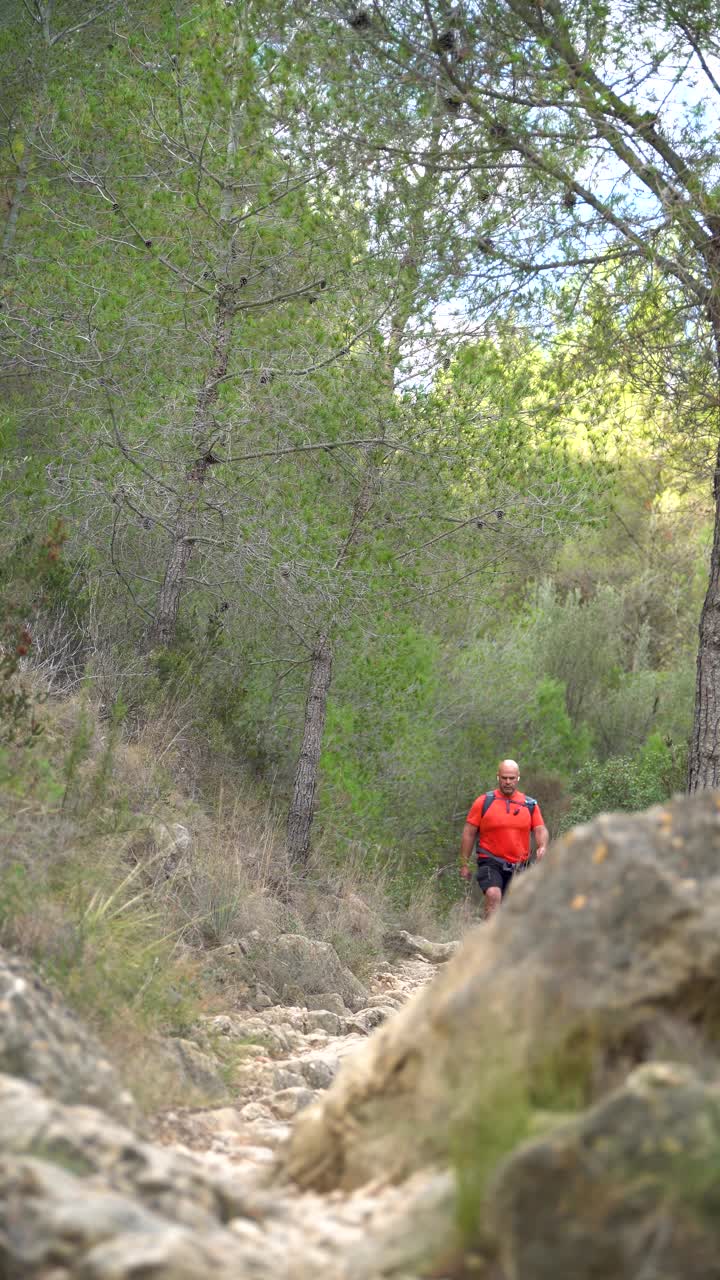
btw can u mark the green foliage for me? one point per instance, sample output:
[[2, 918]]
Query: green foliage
[[628, 783], [122, 958], [68, 899], [559, 739], [77, 752], [15, 894], [516, 568], [377, 752]]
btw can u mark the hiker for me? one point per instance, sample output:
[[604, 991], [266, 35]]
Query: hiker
[[501, 822]]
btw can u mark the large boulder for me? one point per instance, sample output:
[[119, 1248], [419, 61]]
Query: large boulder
[[42, 1041], [55, 1224], [87, 1143], [629, 1189], [298, 967], [605, 956]]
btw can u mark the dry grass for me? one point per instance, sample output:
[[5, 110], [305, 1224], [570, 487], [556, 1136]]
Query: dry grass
[[119, 877]]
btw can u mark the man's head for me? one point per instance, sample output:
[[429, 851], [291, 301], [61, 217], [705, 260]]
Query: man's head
[[508, 776]]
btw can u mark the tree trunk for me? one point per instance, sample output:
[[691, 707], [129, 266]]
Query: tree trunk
[[302, 807], [162, 630], [21, 182], [704, 758]]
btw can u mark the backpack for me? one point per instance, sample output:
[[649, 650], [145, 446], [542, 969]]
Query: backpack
[[490, 796]]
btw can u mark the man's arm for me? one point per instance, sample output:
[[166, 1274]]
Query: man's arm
[[542, 836], [467, 845]]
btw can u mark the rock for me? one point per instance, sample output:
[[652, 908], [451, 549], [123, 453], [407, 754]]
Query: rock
[[368, 1019], [319, 1020], [169, 1254], [199, 1071], [162, 846], [287, 1102], [53, 1223], [258, 1032], [42, 1041], [264, 998], [286, 1078], [328, 1000], [613, 939], [408, 1227], [407, 944], [86, 1142], [82, 1196], [222, 1120], [308, 967], [628, 1189], [387, 1000], [255, 1111], [316, 1072]]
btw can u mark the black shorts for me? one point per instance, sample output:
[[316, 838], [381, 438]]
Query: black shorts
[[492, 873]]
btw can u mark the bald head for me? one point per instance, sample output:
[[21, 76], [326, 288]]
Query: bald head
[[508, 776]]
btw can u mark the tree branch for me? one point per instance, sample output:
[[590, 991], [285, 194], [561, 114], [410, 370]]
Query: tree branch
[[307, 448], [68, 31], [320, 364]]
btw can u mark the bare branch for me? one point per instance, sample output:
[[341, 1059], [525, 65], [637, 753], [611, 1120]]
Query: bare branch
[[125, 451], [68, 31], [118, 570], [477, 519], [692, 41], [282, 297], [326, 445], [319, 364]]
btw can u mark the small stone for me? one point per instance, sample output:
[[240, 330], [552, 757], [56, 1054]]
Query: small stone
[[255, 1111], [288, 1102], [321, 1020]]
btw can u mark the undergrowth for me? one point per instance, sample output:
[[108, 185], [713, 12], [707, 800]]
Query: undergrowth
[[120, 885]]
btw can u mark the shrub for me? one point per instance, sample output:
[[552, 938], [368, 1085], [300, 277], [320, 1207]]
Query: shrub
[[628, 783]]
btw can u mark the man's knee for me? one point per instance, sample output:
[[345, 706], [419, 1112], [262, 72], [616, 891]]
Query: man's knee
[[493, 896]]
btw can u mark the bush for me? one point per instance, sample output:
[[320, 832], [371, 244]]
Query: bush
[[628, 783]]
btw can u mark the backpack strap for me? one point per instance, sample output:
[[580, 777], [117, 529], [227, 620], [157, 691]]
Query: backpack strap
[[487, 801], [489, 796]]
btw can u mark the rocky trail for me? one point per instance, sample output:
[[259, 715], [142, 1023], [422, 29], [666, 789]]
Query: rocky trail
[[202, 1192], [364, 1124], [289, 1232]]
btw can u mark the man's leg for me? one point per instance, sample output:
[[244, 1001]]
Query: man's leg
[[491, 881], [493, 898]]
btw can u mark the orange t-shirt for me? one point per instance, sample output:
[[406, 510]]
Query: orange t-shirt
[[505, 829]]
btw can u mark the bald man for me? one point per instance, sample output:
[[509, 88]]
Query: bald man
[[501, 821]]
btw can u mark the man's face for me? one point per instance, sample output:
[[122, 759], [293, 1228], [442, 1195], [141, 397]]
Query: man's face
[[508, 780]]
